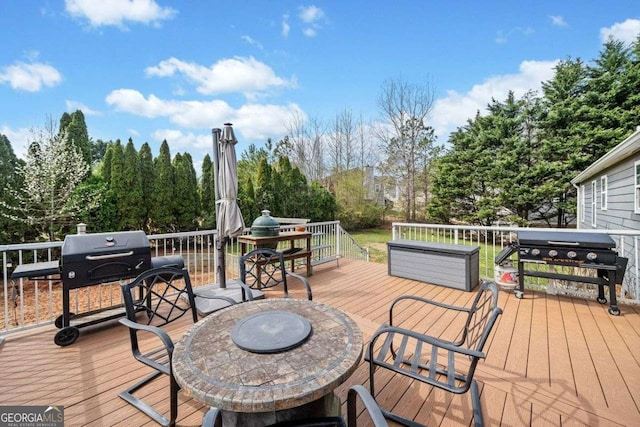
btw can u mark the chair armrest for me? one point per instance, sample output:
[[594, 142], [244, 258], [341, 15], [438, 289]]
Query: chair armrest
[[164, 337], [246, 291], [425, 301], [369, 403], [304, 281], [437, 342]]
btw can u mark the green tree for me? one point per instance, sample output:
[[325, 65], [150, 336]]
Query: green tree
[[185, 207], [561, 130], [76, 128], [127, 188], [162, 217], [463, 184], [102, 215], [207, 198], [264, 191], [147, 178], [11, 229]]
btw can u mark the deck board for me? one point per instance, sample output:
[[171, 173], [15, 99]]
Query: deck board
[[552, 360]]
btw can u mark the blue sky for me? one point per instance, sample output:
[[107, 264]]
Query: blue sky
[[161, 69]]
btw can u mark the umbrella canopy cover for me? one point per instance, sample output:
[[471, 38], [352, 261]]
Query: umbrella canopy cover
[[229, 220]]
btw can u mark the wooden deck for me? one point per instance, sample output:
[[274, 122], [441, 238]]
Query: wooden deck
[[552, 360]]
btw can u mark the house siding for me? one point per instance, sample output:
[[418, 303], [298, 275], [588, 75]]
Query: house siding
[[620, 198]]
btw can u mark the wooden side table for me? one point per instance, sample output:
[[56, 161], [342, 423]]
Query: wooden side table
[[249, 243]]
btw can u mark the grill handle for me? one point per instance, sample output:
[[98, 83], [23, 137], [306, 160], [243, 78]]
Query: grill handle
[[551, 242], [108, 256]]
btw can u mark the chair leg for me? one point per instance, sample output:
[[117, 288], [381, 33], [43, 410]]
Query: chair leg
[[128, 396], [175, 388], [475, 402]]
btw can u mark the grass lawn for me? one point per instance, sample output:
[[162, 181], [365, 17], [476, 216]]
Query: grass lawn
[[376, 240]]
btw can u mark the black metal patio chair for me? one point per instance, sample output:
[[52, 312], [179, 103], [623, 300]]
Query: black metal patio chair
[[264, 268], [447, 364], [152, 300], [213, 418]]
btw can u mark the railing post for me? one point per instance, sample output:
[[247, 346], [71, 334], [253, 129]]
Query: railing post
[[455, 236], [338, 235]]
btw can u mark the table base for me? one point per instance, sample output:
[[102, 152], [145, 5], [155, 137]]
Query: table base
[[327, 406]]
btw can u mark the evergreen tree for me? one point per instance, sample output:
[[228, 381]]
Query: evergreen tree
[[105, 167], [264, 189], [562, 133], [147, 177], [76, 128], [185, 207], [117, 184], [129, 193], [102, 215], [163, 196], [206, 194], [11, 229]]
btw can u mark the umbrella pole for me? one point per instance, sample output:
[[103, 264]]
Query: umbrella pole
[[221, 276]]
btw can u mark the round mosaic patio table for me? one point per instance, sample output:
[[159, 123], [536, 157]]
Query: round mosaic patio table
[[262, 387]]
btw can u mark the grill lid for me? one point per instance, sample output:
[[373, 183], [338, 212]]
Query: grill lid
[[567, 239], [103, 243]]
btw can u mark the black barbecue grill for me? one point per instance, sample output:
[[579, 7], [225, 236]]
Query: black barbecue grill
[[91, 259], [574, 249]]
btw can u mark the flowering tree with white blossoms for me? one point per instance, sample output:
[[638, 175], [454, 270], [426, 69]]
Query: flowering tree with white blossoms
[[52, 170]]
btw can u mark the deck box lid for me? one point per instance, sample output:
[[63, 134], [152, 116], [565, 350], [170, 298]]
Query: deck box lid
[[445, 248]]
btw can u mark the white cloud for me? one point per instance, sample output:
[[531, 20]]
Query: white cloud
[[180, 141], [238, 74], [285, 26], [262, 121], [309, 32], [456, 108], [117, 12], [558, 21], [255, 121], [502, 37], [312, 16], [252, 42], [626, 31], [75, 105], [20, 139], [30, 77]]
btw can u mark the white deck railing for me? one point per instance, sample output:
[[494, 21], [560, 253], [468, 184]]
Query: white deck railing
[[491, 240], [26, 303]]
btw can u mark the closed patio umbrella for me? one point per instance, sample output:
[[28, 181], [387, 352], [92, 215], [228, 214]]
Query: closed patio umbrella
[[229, 222]]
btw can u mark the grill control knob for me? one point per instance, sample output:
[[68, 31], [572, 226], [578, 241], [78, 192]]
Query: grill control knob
[[72, 275], [553, 253], [535, 252], [572, 254], [592, 256]]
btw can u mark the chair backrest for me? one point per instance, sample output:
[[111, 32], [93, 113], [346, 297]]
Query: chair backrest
[[263, 268], [163, 293], [482, 316]]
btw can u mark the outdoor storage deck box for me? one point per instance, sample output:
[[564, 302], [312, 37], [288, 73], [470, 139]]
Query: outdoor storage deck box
[[454, 266]]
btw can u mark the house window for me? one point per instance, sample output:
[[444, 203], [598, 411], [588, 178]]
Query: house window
[[594, 203], [637, 189], [583, 203], [603, 192]]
